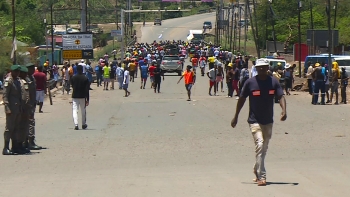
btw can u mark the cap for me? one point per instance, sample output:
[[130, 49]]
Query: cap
[[189, 66], [279, 63], [82, 60], [317, 64], [262, 62], [15, 67], [30, 65], [23, 69], [287, 66], [230, 65]]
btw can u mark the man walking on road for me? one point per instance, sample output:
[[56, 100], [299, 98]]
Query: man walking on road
[[190, 79], [126, 81], [158, 74], [106, 72], [40, 79], [261, 90], [80, 96]]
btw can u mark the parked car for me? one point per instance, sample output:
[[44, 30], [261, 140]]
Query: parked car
[[207, 25], [171, 64], [157, 21]]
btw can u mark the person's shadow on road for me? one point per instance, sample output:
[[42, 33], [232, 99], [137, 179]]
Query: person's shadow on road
[[274, 183]]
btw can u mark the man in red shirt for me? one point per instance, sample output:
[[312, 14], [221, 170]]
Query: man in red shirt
[[202, 63], [194, 61], [40, 79], [151, 72]]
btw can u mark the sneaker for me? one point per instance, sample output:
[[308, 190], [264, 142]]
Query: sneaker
[[84, 126], [237, 98], [76, 127]]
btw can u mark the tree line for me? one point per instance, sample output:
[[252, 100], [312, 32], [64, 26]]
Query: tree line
[[284, 15]]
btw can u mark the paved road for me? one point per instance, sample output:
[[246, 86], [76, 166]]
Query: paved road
[[154, 145], [175, 29]]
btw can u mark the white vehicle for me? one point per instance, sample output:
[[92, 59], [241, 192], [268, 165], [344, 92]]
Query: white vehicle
[[195, 36], [274, 62], [344, 62]]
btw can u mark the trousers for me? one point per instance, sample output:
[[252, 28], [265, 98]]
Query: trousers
[[235, 86], [157, 85], [120, 82], [319, 85], [79, 103], [261, 135], [230, 88], [23, 129], [12, 126]]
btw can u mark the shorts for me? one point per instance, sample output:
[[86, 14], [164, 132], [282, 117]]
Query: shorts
[[188, 86], [326, 87], [334, 88], [106, 79], [125, 86], [211, 83], [143, 78], [40, 96], [55, 77], [219, 78], [151, 78]]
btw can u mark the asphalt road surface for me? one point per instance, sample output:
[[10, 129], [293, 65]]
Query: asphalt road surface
[[175, 29], [154, 145]]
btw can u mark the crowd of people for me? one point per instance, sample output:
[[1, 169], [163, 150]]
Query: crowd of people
[[319, 80]]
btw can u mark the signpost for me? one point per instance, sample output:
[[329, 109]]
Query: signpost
[[77, 46]]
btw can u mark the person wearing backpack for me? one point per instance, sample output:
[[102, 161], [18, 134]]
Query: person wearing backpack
[[120, 75], [244, 77]]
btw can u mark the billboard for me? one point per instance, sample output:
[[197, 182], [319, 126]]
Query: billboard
[[77, 41]]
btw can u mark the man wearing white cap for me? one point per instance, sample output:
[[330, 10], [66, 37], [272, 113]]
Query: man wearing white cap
[[82, 63], [261, 90]]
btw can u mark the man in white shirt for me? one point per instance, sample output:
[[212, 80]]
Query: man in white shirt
[[212, 79], [126, 81], [309, 77]]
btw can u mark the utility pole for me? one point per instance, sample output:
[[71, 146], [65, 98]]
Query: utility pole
[[116, 13], [254, 30], [256, 27], [122, 30], [245, 27], [83, 16], [129, 8], [231, 26], [52, 42], [273, 26], [299, 37], [240, 27], [13, 30], [335, 13], [235, 33], [330, 44], [312, 28]]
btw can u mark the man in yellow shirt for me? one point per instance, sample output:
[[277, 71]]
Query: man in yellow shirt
[[132, 69], [106, 69]]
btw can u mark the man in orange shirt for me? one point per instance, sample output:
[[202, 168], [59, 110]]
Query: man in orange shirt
[[190, 78]]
